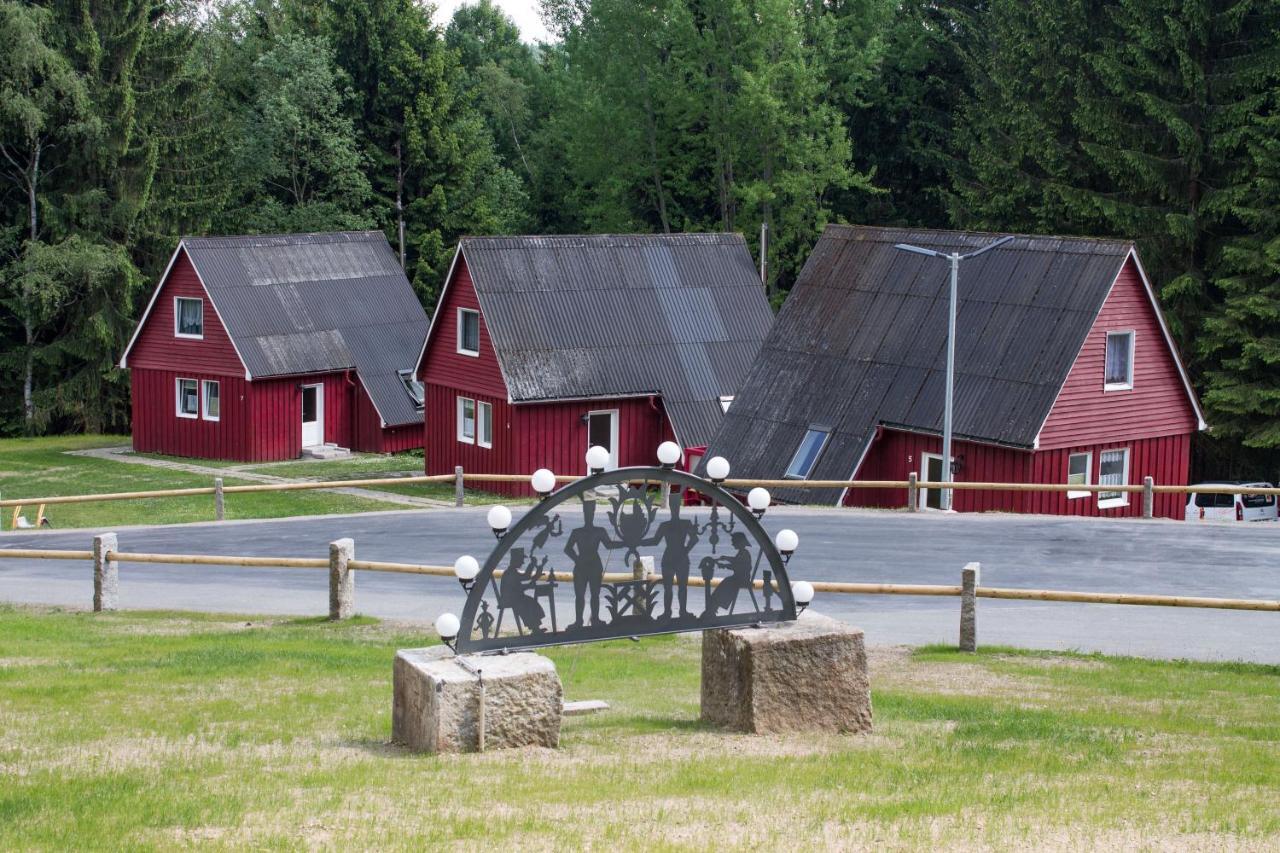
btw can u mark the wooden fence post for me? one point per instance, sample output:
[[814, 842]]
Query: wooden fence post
[[457, 485], [219, 505], [342, 579], [106, 573], [1148, 497], [913, 493], [969, 607]]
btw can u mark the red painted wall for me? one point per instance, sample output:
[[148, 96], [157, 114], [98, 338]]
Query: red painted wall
[[261, 420], [158, 349], [1085, 414], [895, 454], [158, 429], [443, 365]]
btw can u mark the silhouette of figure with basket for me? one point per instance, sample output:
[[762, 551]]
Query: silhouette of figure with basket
[[517, 591], [739, 566]]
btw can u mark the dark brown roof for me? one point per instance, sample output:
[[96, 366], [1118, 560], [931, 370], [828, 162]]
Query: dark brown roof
[[316, 303], [679, 315], [861, 342]]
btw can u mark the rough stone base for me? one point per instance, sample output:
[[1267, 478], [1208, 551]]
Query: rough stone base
[[807, 675], [436, 707]]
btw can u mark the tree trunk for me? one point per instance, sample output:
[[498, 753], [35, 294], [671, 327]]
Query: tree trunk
[[400, 201], [28, 297]]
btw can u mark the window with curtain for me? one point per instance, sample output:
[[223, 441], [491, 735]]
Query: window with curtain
[[189, 316], [1119, 365], [1113, 470], [468, 331]]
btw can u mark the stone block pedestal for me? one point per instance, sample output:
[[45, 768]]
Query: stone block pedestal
[[807, 675], [437, 702]]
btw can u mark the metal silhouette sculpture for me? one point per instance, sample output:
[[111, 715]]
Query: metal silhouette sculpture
[[627, 514]]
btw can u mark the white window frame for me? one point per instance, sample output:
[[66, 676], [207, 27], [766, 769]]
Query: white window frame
[[205, 385], [462, 419], [725, 403], [1133, 348], [177, 403], [1123, 498], [481, 440], [177, 318], [826, 436], [1088, 473], [462, 350]]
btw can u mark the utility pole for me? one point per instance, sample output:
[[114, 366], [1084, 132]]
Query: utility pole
[[955, 258]]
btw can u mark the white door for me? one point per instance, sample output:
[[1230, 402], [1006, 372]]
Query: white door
[[931, 472], [312, 415], [602, 430]]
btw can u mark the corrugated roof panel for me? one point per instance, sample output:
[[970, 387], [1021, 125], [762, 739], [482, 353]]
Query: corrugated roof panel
[[881, 312], [680, 315], [315, 303]]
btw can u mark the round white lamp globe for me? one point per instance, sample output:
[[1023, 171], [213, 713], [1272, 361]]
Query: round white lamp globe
[[787, 541], [802, 592], [543, 481], [465, 568], [717, 468], [597, 458], [668, 453], [758, 499], [499, 517], [447, 626]]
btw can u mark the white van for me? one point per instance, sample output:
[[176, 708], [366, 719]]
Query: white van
[[1203, 506]]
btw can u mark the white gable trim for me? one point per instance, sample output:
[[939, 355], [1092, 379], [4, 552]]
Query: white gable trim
[[1164, 329], [435, 316], [164, 279], [1168, 339]]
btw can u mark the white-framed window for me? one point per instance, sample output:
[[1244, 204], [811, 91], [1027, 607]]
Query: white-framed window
[[806, 455], [468, 331], [484, 414], [1118, 369], [188, 398], [466, 420], [188, 317], [412, 387], [210, 399], [1079, 471], [726, 402], [1113, 470]]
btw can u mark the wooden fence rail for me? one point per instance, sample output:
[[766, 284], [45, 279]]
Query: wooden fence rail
[[106, 558]]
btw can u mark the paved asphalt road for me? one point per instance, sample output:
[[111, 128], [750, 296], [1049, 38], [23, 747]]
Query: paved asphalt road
[[1220, 560]]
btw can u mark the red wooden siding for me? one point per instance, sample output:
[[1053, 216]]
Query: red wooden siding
[[158, 429], [1157, 405], [443, 365], [157, 348], [895, 454]]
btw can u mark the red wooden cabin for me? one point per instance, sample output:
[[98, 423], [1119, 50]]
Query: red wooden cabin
[[254, 348], [1065, 373], [543, 346]]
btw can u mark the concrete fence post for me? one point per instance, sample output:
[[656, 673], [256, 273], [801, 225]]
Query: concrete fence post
[[1148, 497], [457, 485], [913, 493], [969, 607], [106, 573], [342, 579], [219, 504]]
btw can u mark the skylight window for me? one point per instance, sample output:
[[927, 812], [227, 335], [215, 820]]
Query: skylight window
[[413, 387], [807, 453]]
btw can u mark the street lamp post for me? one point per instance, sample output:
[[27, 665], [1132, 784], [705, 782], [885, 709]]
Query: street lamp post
[[955, 258]]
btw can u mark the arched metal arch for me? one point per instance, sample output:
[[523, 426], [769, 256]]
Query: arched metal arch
[[466, 643]]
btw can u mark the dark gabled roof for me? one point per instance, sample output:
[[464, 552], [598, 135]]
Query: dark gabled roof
[[861, 340], [679, 315], [315, 303]]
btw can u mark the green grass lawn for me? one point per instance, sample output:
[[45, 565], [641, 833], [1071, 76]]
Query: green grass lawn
[[154, 730], [40, 467]]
